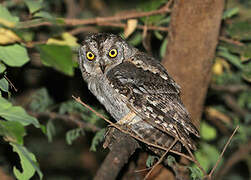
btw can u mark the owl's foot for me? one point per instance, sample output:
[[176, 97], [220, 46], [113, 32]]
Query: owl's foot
[[109, 136]]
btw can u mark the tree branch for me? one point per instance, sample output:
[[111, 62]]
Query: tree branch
[[223, 151], [121, 148], [67, 118], [231, 103], [98, 20], [239, 155]]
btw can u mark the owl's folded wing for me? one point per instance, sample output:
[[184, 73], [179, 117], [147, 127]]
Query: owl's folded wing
[[154, 96]]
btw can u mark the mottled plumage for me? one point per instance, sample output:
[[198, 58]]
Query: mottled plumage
[[136, 90]]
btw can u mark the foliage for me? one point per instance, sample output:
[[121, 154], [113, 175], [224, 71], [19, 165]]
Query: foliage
[[12, 128], [99, 137], [57, 56], [35, 57], [74, 134], [151, 160]]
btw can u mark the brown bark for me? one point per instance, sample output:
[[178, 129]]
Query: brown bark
[[121, 146], [194, 31]]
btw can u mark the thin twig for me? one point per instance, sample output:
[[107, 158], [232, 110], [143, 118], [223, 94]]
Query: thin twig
[[142, 170], [232, 103], [81, 29], [223, 151], [233, 88], [239, 155], [190, 153], [123, 25], [11, 84], [161, 159], [67, 118], [126, 132], [231, 41]]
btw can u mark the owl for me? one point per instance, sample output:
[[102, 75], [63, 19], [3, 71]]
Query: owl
[[136, 90]]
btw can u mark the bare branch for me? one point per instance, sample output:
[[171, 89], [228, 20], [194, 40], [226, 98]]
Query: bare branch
[[98, 20], [161, 159], [223, 151], [231, 102], [68, 118], [239, 155], [231, 41], [11, 84], [121, 148], [233, 88]]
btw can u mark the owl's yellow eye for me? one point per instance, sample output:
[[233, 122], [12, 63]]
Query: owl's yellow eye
[[113, 53], [90, 55]]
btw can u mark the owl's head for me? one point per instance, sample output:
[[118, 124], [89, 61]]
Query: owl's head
[[101, 52]]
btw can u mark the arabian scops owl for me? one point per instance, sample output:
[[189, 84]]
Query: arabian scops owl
[[136, 90]]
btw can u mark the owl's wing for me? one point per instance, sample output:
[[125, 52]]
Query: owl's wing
[[150, 92]]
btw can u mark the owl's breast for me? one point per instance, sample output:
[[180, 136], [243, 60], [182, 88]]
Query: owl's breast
[[107, 96]]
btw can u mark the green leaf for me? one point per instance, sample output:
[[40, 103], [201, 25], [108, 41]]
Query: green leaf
[[2, 67], [158, 35], [166, 21], [230, 57], [33, 22], [59, 57], [136, 39], [163, 48], [92, 117], [44, 14], [50, 130], [240, 30], [207, 132], [171, 160], [4, 85], [73, 135], [150, 160], [196, 173], [243, 134], [246, 72], [244, 99], [230, 13], [66, 39], [72, 106], [6, 18], [34, 5], [28, 162], [99, 137], [243, 51], [229, 78], [16, 114], [150, 6], [13, 131], [14, 55], [207, 156], [40, 100]]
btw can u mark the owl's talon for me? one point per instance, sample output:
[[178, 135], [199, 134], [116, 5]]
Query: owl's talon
[[109, 137]]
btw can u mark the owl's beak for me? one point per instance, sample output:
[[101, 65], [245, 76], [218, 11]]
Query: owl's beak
[[102, 66]]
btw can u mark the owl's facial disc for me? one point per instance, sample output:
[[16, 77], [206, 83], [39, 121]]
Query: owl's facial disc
[[101, 52], [108, 59]]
